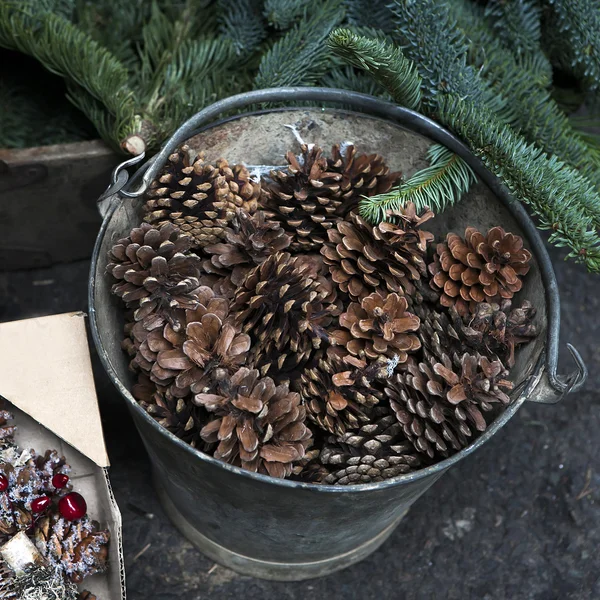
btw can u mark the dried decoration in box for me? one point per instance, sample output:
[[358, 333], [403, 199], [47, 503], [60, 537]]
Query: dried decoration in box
[[42, 515], [273, 327]]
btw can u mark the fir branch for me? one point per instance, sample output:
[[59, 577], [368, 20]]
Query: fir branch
[[383, 61], [559, 196], [438, 186], [282, 14], [301, 57], [573, 28], [349, 78], [374, 14], [242, 23]]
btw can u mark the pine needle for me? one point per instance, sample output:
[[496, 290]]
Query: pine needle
[[438, 186]]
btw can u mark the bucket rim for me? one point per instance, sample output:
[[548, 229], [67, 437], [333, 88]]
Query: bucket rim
[[417, 123]]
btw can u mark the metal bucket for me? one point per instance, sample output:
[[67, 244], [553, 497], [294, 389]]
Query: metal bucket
[[280, 529]]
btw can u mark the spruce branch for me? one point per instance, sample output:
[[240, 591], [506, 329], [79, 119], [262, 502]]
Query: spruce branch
[[242, 23], [374, 14], [563, 200], [301, 57], [438, 186], [282, 14], [383, 61], [347, 77]]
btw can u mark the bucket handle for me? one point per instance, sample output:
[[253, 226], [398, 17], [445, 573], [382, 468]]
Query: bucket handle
[[550, 387]]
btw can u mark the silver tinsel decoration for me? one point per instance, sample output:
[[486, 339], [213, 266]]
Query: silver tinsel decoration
[[43, 583]]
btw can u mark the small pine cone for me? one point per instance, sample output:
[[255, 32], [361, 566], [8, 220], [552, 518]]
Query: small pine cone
[[156, 276], [362, 175], [249, 241], [85, 595], [479, 268], [338, 392], [387, 257], [309, 469], [198, 198], [77, 548], [180, 416], [375, 452], [438, 336], [497, 329], [379, 326], [258, 426], [7, 583], [282, 308], [7, 431]]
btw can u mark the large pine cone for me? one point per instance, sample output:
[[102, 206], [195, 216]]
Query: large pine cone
[[285, 307], [375, 452], [497, 329], [258, 426], [249, 241], [157, 276], [338, 391], [78, 548], [378, 326], [198, 198], [387, 257], [479, 268]]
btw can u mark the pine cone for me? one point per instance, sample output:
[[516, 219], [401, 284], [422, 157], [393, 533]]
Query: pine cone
[[478, 268], [375, 452], [198, 198], [156, 276], [378, 326], [497, 329], [309, 469], [249, 241], [258, 426], [78, 548], [7, 431], [7, 587], [338, 391], [283, 309], [85, 595], [180, 416], [385, 258]]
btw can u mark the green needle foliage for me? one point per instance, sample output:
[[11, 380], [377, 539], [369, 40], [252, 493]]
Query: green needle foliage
[[242, 23], [282, 14], [438, 186]]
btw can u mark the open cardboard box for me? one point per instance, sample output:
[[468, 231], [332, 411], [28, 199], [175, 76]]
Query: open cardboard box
[[46, 379]]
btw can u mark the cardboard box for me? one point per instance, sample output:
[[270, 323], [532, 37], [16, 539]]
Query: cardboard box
[[46, 378]]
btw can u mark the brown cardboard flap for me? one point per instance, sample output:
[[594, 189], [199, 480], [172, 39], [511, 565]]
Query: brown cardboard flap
[[46, 371]]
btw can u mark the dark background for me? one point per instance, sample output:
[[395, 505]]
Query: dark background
[[517, 520]]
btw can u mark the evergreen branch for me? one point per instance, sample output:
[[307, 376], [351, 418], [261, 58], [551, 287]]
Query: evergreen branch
[[301, 57], [383, 61], [349, 78], [517, 24], [242, 23], [559, 196], [438, 186], [282, 14], [374, 14], [574, 36]]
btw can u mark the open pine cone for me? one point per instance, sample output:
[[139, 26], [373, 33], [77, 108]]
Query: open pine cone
[[198, 198], [77, 548], [479, 268], [258, 426], [378, 326], [157, 275], [375, 452], [387, 257]]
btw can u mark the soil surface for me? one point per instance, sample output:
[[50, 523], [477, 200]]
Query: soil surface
[[520, 519]]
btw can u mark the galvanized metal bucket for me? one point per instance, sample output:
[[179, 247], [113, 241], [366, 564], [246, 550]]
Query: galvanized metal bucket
[[280, 529]]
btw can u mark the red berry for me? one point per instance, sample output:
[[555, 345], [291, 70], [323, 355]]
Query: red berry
[[40, 504], [3, 482], [59, 481], [72, 506]]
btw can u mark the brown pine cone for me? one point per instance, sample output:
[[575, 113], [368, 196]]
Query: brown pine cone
[[258, 426], [85, 595], [7, 431], [156, 276], [497, 329], [180, 416], [479, 268], [198, 198], [309, 469], [378, 326], [249, 241], [338, 390], [385, 258], [285, 311], [78, 549], [362, 175], [375, 452]]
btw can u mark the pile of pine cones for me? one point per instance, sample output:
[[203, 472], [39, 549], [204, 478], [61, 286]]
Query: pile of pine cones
[[76, 549], [272, 327]]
